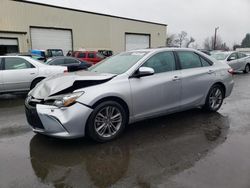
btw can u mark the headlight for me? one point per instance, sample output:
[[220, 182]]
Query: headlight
[[67, 100]]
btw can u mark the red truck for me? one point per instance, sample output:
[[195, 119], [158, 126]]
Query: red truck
[[92, 57]]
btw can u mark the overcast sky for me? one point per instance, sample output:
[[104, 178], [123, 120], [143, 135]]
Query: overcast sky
[[197, 17]]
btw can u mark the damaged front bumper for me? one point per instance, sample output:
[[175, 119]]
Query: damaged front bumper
[[67, 122]]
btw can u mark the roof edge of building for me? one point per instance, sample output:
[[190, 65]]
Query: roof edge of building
[[89, 12]]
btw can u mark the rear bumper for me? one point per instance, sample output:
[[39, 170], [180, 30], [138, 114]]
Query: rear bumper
[[65, 123]]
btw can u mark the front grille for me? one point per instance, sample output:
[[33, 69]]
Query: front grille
[[33, 118]]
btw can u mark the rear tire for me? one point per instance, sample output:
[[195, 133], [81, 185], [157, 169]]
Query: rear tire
[[214, 98], [247, 69], [107, 121]]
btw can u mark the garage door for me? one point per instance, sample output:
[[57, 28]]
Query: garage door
[[43, 39], [136, 41], [8, 45]]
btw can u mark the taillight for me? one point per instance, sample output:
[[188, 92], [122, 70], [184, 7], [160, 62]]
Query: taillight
[[231, 71], [65, 71]]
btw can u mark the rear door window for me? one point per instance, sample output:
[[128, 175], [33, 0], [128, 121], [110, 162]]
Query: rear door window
[[189, 60], [241, 55], [14, 63]]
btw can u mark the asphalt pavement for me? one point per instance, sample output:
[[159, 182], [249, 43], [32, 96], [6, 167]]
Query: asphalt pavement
[[191, 149]]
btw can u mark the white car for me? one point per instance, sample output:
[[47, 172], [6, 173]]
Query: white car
[[19, 73], [237, 60]]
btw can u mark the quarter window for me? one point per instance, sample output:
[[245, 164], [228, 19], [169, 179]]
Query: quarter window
[[161, 62], [13, 63], [204, 62], [189, 60]]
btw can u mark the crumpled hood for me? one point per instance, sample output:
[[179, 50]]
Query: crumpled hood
[[68, 82]]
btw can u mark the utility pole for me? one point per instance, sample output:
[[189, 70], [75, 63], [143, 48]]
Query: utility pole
[[215, 37]]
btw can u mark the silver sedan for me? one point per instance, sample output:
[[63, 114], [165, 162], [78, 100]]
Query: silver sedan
[[126, 88], [20, 73], [237, 60]]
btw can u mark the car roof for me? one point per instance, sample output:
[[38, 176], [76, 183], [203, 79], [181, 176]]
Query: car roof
[[16, 56], [87, 51], [163, 49]]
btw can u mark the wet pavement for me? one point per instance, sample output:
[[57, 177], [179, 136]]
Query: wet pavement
[[189, 149]]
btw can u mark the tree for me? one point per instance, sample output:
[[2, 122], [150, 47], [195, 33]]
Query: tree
[[246, 41], [181, 37], [170, 41], [190, 41], [220, 45], [179, 40]]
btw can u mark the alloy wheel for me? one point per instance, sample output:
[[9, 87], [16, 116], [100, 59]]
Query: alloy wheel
[[108, 121], [247, 69], [215, 98]]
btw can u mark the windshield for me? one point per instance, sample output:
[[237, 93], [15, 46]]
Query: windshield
[[118, 64], [220, 56]]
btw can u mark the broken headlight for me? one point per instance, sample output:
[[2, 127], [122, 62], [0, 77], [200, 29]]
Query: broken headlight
[[67, 99]]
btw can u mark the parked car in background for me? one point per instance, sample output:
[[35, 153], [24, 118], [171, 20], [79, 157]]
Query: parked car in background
[[126, 88], [106, 53], [54, 53], [20, 73], [73, 64], [27, 54], [48, 53], [237, 60], [41, 53], [92, 57]]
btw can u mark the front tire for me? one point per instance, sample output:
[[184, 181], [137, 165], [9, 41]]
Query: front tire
[[247, 69], [107, 121], [214, 98]]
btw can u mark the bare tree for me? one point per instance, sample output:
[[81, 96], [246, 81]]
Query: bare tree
[[179, 40], [170, 41], [190, 41], [209, 44], [181, 37]]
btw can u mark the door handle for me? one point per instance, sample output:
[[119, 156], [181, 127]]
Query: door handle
[[210, 72], [176, 78], [32, 73]]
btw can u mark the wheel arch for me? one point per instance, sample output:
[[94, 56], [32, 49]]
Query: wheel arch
[[110, 98], [222, 86], [38, 78], [116, 99]]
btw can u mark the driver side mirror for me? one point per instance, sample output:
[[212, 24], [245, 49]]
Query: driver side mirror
[[144, 71], [231, 58]]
